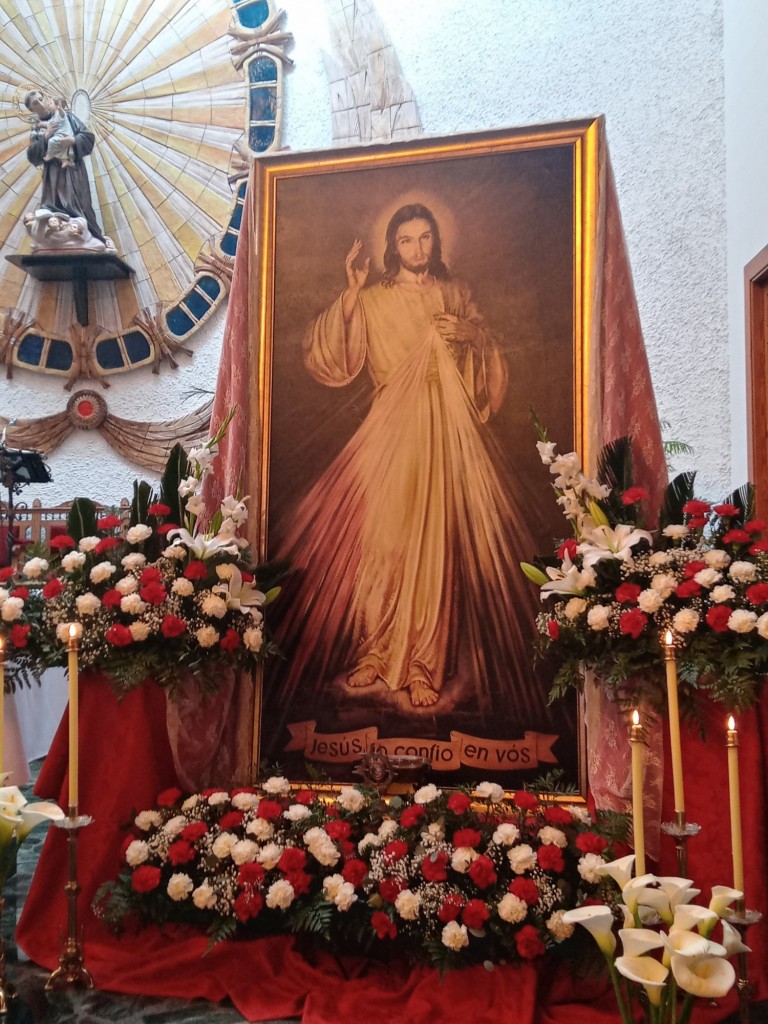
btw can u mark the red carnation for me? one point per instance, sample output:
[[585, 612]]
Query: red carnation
[[269, 810], [475, 914], [688, 588], [153, 593], [696, 508], [692, 568], [628, 593], [634, 494], [354, 872], [525, 801], [248, 904], [482, 872], [247, 577], [717, 618], [338, 830], [232, 819], [52, 588], [300, 882], [736, 537], [106, 544], [553, 629], [757, 593], [168, 797], [755, 525], [159, 509], [6, 573], [19, 634], [193, 831], [166, 528], [145, 878], [21, 592], [62, 543], [291, 860], [526, 890], [451, 907], [632, 623], [305, 797], [118, 636], [172, 626], [196, 570], [697, 522], [108, 522], [557, 815], [150, 575], [395, 850], [411, 816], [181, 852], [758, 547], [528, 942], [459, 803], [251, 874], [434, 867], [591, 842], [383, 925], [726, 509], [390, 889], [467, 837], [230, 641], [112, 598], [550, 858], [568, 547]]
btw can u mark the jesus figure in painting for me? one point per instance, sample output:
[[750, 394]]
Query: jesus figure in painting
[[407, 547]]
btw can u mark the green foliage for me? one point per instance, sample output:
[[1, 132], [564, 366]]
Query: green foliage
[[142, 499], [176, 470], [614, 468], [81, 521], [678, 492], [553, 783], [314, 917]]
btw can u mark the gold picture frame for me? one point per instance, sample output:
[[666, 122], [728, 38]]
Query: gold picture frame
[[515, 212]]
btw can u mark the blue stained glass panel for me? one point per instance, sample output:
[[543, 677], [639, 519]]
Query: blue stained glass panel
[[108, 354], [179, 321], [263, 69], [31, 349], [237, 216], [264, 103], [252, 13], [229, 243], [59, 355], [197, 304], [137, 348], [210, 286], [261, 137]]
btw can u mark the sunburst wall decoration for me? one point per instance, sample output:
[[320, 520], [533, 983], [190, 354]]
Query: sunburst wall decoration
[[179, 95]]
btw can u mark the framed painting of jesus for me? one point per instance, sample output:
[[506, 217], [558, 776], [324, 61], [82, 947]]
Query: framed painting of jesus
[[417, 303]]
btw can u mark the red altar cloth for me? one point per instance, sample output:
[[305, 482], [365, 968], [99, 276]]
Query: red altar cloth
[[126, 760]]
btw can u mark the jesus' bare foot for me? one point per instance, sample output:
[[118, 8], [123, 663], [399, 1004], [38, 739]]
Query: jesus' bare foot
[[422, 692], [363, 675]]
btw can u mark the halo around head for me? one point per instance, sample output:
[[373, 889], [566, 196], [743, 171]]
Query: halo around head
[[446, 223]]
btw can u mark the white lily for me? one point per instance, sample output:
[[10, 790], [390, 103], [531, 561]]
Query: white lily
[[722, 897], [606, 542], [619, 870], [203, 547], [568, 579], [239, 596], [598, 921], [647, 972], [708, 976], [637, 941]]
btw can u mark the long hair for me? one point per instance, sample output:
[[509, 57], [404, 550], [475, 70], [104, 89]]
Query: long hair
[[391, 258]]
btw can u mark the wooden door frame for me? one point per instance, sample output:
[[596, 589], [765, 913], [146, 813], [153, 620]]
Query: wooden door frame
[[756, 322]]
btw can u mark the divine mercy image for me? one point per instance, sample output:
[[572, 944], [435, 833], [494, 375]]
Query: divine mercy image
[[406, 615]]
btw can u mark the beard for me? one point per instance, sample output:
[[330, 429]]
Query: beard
[[417, 266]]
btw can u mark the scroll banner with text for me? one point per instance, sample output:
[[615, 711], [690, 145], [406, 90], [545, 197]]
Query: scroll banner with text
[[533, 749]]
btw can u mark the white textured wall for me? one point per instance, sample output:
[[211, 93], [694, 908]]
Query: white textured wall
[[654, 69]]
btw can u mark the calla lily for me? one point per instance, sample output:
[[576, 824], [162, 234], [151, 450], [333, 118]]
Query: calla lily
[[605, 542], [598, 921], [647, 972], [689, 944], [619, 870], [12, 796], [203, 547], [708, 976], [732, 940], [35, 814], [637, 941], [722, 897], [239, 595], [693, 916]]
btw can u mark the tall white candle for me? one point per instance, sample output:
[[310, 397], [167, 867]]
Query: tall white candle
[[732, 742], [673, 711], [74, 711], [638, 773], [2, 701]]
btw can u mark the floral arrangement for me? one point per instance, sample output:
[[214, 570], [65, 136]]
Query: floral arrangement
[[151, 595], [667, 948], [17, 819], [614, 588], [450, 878]]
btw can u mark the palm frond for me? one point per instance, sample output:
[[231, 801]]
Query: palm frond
[[614, 465], [744, 500], [142, 499], [176, 470], [678, 492], [81, 521]]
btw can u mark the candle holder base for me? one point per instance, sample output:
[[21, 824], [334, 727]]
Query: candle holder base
[[71, 971], [741, 919], [681, 831]]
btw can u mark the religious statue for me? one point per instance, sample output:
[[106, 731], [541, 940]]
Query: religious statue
[[58, 143], [50, 230]]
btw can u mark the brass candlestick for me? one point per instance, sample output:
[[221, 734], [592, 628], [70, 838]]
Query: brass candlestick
[[741, 919], [682, 831], [71, 971]]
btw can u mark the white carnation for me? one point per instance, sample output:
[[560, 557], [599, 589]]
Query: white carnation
[[244, 851], [426, 794], [408, 904], [490, 791], [174, 825], [206, 636], [550, 836], [521, 858], [253, 638], [180, 886], [506, 834], [277, 785], [454, 935], [183, 587], [707, 577], [101, 572], [512, 909], [742, 621], [204, 897], [663, 583], [218, 798], [245, 801], [368, 840], [685, 621], [214, 606], [145, 820], [579, 813], [13, 608], [337, 890], [136, 853], [649, 601], [575, 607], [190, 802], [762, 626], [127, 585], [260, 829], [88, 543], [138, 533], [175, 552], [280, 895], [140, 630], [557, 927], [387, 829], [743, 572], [222, 845], [599, 617], [462, 858], [717, 558], [72, 561], [676, 531], [34, 568], [589, 867], [722, 593], [658, 558], [133, 561], [269, 855], [87, 603], [350, 799], [297, 812], [132, 604]]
